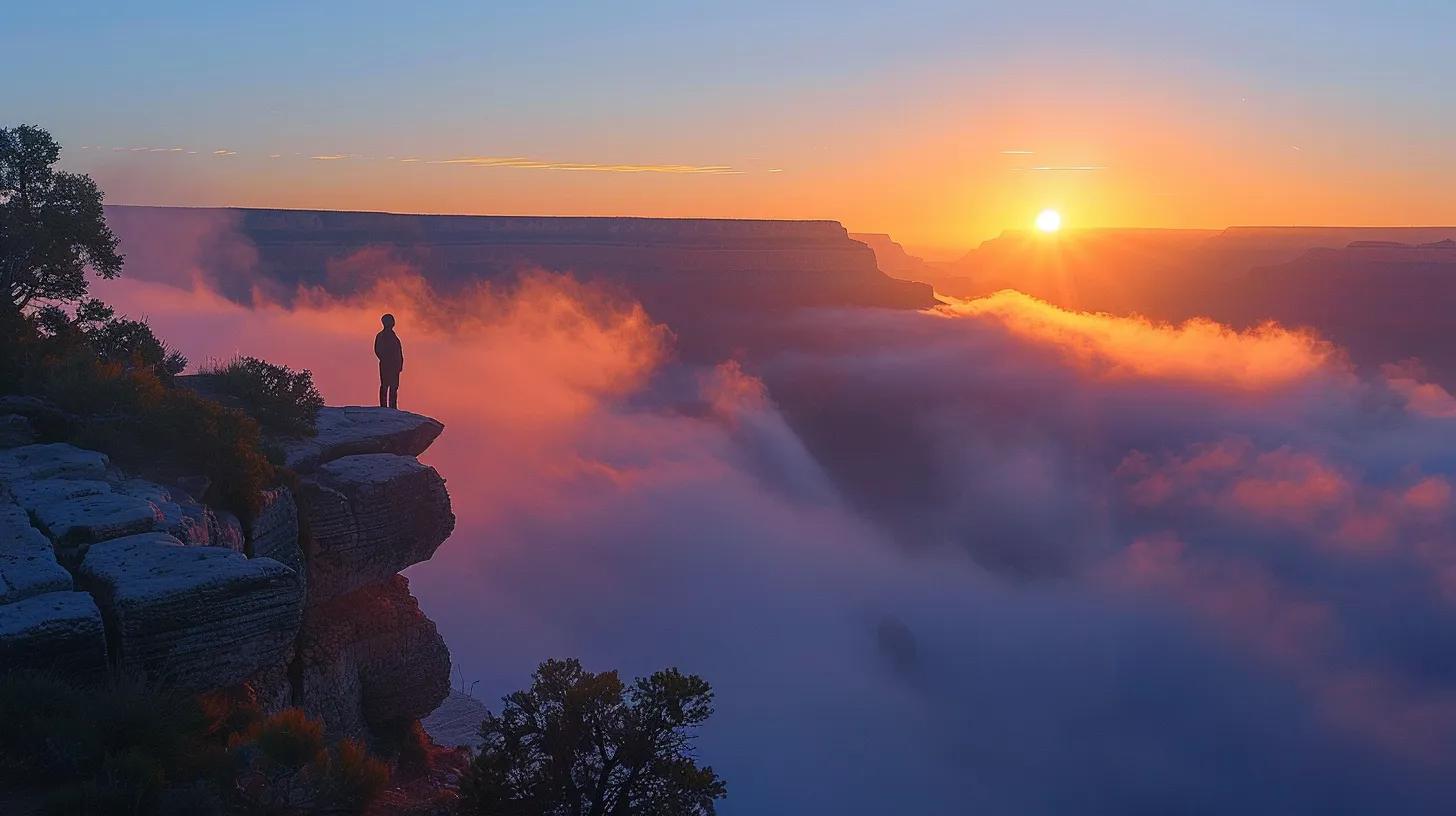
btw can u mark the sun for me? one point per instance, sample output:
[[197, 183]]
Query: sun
[[1049, 221]]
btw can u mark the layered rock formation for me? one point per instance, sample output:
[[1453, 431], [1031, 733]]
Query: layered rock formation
[[370, 661], [354, 429], [194, 618], [103, 571], [678, 267], [370, 516], [892, 258], [367, 659]]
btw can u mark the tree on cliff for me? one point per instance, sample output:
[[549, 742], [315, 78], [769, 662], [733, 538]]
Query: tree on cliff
[[51, 223], [582, 744]]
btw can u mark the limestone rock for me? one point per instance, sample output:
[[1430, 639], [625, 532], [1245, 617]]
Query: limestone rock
[[227, 531], [32, 493], [191, 521], [56, 459], [349, 430], [456, 722], [371, 659], [192, 617], [77, 523], [28, 564], [273, 532], [61, 631], [15, 430], [368, 517]]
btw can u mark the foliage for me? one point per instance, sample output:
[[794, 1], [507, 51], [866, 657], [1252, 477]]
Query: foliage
[[286, 768], [127, 343], [280, 398], [582, 743], [51, 224], [127, 748], [115, 380]]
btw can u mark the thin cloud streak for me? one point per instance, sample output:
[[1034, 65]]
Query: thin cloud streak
[[537, 164]]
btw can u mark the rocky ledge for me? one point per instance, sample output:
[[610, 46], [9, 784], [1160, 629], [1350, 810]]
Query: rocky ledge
[[353, 430], [104, 572]]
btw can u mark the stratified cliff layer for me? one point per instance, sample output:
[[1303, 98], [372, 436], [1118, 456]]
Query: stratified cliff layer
[[102, 572], [677, 267]]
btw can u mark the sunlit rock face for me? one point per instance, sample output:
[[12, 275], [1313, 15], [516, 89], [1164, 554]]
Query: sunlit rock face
[[892, 258], [677, 267]]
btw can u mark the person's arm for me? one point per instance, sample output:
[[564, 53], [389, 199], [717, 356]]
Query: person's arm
[[379, 345]]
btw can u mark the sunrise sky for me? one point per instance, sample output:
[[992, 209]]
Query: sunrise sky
[[942, 123]]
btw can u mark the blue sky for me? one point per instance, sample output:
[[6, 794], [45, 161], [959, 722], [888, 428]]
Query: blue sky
[[818, 90]]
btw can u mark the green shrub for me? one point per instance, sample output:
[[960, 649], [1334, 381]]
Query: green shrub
[[282, 399]]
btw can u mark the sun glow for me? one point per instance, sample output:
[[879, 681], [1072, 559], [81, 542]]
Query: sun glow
[[1049, 221]]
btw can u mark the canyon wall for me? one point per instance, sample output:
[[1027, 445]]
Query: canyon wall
[[302, 603], [677, 267]]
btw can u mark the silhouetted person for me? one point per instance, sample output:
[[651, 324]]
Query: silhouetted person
[[391, 362]]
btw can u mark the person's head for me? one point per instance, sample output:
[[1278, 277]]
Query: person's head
[[388, 321]]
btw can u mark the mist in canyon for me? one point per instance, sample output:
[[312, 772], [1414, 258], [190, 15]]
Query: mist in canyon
[[993, 555]]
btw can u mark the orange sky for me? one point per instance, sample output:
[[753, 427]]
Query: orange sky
[[900, 122]]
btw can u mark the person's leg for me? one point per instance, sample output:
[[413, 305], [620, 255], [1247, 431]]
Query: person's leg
[[388, 388]]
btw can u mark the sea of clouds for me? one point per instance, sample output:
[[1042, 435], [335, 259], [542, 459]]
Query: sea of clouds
[[995, 557]]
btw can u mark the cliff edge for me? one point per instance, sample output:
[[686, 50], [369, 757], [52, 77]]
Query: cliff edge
[[302, 604]]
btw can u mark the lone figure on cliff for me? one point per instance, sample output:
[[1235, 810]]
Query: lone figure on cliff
[[391, 362]]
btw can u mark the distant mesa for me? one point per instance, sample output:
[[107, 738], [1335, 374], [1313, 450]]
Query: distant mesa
[[677, 267]]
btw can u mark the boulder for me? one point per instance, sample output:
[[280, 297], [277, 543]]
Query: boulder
[[15, 430], [191, 521], [56, 459], [371, 660], [28, 564], [32, 493], [273, 531], [59, 631], [192, 618], [349, 430], [456, 723], [76, 523], [368, 517]]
